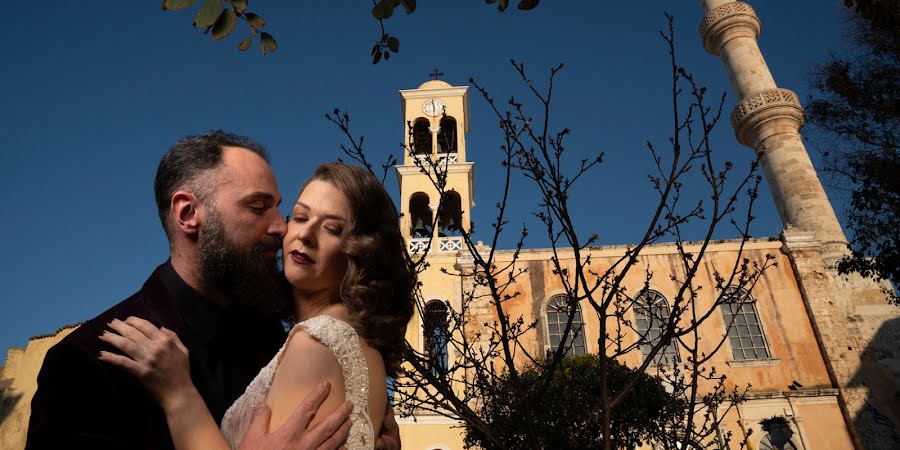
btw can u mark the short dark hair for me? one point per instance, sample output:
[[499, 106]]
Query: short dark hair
[[379, 284], [190, 163]]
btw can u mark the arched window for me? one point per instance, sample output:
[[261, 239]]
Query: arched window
[[437, 334], [557, 318], [421, 135], [744, 329], [447, 135], [651, 313], [450, 219], [420, 218]]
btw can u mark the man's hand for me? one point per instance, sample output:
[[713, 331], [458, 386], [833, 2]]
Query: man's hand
[[329, 434], [389, 435]]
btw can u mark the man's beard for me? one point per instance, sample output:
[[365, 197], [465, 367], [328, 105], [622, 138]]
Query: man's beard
[[248, 278]]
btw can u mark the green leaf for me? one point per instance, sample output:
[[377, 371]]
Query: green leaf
[[268, 42], [208, 13], [383, 9], [409, 5], [393, 44], [239, 5], [255, 20], [172, 5], [224, 24], [377, 57], [245, 44], [526, 5]]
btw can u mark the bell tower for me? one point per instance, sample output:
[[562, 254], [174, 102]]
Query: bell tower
[[435, 123]]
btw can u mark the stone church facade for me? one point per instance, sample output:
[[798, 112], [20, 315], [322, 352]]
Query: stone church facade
[[819, 349]]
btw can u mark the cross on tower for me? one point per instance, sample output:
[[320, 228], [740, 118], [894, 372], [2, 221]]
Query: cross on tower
[[437, 73]]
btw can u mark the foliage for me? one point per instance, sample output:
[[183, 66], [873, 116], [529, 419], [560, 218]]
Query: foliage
[[211, 16], [881, 14], [566, 414], [856, 119], [488, 346], [222, 21]]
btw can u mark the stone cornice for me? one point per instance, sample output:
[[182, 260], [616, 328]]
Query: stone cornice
[[761, 107], [825, 392], [451, 168], [726, 22], [795, 239], [434, 93], [59, 330]]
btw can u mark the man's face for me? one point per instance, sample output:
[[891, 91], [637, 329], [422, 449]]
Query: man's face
[[242, 230]]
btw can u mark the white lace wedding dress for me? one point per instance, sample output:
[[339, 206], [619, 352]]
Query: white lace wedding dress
[[342, 340]]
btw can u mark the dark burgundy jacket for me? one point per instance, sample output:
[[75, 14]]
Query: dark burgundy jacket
[[82, 402]]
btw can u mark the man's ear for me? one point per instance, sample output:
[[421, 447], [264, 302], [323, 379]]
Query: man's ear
[[187, 212]]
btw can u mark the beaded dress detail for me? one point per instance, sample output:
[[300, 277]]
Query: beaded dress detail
[[343, 341]]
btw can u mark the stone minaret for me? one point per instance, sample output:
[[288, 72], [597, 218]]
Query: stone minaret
[[768, 120], [856, 330]]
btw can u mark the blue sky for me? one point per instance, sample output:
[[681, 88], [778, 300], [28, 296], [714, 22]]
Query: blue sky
[[93, 96]]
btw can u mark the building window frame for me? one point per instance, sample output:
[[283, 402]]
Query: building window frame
[[740, 322], [663, 357], [577, 337]]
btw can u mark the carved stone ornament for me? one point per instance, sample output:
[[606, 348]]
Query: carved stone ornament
[[762, 106], [734, 17]]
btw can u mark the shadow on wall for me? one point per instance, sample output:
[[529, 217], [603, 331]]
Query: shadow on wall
[[879, 371], [8, 402]]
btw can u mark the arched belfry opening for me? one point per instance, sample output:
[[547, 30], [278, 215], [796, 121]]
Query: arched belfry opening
[[437, 334], [421, 219], [421, 135], [447, 135], [450, 219]]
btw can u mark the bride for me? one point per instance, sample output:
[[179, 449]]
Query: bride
[[352, 291]]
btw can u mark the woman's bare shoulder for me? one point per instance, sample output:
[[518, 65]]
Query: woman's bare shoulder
[[305, 364]]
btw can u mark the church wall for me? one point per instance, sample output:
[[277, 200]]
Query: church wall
[[814, 417], [795, 355], [431, 433], [823, 419], [21, 369], [791, 342]]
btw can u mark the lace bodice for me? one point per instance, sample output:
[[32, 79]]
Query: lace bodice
[[342, 340]]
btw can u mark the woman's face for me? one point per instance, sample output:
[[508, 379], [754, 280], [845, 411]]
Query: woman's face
[[313, 261]]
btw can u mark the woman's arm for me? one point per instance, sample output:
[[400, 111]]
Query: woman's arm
[[305, 364], [160, 362]]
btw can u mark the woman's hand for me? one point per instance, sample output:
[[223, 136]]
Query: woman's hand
[[154, 355]]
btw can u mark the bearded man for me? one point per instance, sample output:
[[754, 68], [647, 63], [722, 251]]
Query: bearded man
[[220, 292]]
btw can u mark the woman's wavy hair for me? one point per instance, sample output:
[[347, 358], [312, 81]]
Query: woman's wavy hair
[[379, 285]]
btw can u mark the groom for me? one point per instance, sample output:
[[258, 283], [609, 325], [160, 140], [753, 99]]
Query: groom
[[220, 291]]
